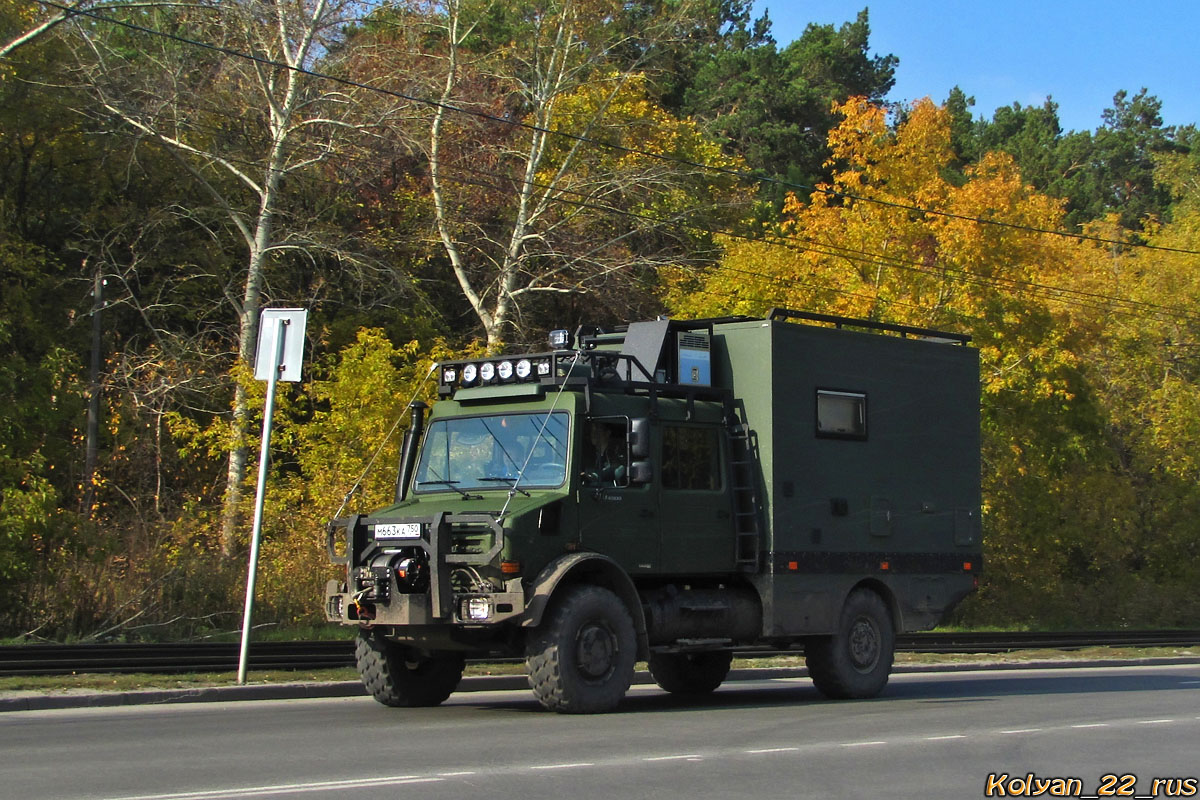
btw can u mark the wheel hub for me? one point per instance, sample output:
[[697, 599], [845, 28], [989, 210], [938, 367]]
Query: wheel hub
[[595, 651], [864, 644]]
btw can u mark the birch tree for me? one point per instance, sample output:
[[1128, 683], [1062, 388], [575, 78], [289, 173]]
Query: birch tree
[[227, 90], [551, 171]]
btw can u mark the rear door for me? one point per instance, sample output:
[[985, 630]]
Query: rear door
[[695, 523]]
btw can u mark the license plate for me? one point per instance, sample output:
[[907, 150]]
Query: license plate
[[398, 530]]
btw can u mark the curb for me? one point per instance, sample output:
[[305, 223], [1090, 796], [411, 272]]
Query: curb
[[497, 683]]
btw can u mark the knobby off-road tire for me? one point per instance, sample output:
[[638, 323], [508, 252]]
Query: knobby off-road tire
[[397, 675], [690, 673], [855, 662], [580, 659]]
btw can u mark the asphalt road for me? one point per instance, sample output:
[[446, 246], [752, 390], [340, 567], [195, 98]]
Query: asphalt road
[[929, 736]]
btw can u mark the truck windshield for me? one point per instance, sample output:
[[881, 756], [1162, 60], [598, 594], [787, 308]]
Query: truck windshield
[[503, 451]]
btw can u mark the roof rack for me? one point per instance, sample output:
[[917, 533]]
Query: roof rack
[[777, 314]]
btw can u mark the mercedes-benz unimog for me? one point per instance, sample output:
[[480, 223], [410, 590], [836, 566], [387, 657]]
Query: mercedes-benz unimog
[[667, 492]]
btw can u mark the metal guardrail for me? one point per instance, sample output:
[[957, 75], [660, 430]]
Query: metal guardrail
[[56, 659]]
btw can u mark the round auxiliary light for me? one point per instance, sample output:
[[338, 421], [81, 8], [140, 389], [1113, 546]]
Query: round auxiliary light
[[469, 373], [487, 371], [505, 369], [523, 368]]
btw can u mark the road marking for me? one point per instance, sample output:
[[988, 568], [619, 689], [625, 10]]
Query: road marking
[[861, 744], [688, 756], [455, 774], [941, 738], [564, 766], [1092, 725], [1154, 721], [283, 788], [1023, 730], [775, 750]]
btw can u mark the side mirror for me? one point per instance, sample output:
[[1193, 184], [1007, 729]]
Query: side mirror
[[641, 472], [639, 438]]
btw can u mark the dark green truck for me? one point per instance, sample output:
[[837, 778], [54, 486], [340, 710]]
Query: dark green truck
[[668, 492]]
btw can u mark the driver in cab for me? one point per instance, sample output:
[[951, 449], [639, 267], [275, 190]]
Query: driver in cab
[[604, 458]]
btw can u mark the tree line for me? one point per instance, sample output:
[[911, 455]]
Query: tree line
[[436, 179]]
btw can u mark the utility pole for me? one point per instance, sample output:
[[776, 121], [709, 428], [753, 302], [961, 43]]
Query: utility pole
[[93, 411]]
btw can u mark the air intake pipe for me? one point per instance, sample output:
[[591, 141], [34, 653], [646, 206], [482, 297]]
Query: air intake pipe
[[408, 451]]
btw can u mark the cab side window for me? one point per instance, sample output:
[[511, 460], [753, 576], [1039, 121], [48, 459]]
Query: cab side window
[[691, 458], [605, 454]]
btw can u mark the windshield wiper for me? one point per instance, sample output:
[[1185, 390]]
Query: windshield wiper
[[511, 481], [453, 485]]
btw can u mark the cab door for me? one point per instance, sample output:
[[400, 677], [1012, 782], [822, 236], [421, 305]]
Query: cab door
[[616, 517]]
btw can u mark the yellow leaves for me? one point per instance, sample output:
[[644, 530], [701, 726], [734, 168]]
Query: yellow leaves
[[616, 108], [865, 247], [904, 164], [861, 138]]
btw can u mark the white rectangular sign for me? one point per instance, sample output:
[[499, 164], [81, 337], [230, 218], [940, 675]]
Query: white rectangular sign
[[398, 530], [292, 322]]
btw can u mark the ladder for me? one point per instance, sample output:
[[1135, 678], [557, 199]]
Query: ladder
[[746, 511]]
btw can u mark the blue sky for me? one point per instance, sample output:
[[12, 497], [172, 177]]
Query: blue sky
[[1077, 52]]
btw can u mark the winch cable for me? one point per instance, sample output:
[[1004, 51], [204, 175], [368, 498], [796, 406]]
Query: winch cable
[[386, 439], [512, 492]]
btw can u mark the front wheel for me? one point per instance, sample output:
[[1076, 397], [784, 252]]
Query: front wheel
[[397, 675], [580, 660], [855, 662], [690, 673]]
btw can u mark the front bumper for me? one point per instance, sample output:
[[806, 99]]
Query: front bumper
[[372, 594], [341, 606]]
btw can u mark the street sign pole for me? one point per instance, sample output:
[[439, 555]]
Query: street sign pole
[[285, 347]]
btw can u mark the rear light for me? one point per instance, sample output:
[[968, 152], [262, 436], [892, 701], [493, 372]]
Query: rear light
[[510, 567]]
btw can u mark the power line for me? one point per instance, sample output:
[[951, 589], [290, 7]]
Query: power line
[[1067, 296], [738, 174]]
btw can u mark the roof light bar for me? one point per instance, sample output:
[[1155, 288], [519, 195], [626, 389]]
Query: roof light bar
[[495, 372]]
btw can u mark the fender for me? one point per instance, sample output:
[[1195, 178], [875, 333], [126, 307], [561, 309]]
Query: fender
[[589, 568], [886, 593]]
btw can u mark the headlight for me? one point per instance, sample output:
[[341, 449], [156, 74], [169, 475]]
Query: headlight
[[479, 608], [523, 368], [505, 369], [469, 373], [487, 371]]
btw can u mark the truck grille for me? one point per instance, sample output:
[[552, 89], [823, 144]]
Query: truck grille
[[471, 539]]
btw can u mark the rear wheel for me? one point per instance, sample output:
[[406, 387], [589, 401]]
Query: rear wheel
[[398, 675], [690, 673], [580, 660], [855, 662]]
